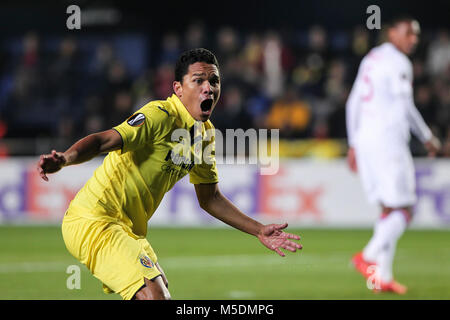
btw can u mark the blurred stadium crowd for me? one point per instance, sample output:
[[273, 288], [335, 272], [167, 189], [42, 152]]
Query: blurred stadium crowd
[[297, 81]]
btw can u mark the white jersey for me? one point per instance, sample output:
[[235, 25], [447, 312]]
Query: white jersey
[[380, 108], [380, 115]]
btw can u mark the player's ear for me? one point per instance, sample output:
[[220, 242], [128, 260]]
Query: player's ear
[[177, 88], [391, 33]]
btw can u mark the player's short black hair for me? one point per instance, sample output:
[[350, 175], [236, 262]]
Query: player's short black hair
[[400, 19], [190, 57]]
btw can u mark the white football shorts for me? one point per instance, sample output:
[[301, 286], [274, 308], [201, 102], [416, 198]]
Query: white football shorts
[[387, 174]]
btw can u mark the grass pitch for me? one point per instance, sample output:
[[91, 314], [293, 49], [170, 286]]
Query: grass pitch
[[226, 264]]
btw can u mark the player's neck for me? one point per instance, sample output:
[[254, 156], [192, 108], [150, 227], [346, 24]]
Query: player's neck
[[397, 48]]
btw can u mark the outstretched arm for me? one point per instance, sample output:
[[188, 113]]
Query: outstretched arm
[[271, 236], [82, 151]]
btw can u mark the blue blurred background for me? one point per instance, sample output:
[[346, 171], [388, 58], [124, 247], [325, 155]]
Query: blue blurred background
[[287, 65]]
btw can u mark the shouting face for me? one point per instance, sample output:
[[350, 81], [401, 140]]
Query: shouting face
[[199, 90]]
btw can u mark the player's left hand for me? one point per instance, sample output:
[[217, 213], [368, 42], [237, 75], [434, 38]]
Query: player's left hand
[[274, 238], [351, 160], [433, 146]]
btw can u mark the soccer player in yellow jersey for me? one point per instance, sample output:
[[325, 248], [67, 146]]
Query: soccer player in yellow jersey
[[105, 225]]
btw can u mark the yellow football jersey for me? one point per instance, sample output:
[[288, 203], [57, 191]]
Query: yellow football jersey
[[130, 184]]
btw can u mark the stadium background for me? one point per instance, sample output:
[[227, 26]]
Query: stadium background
[[287, 65]]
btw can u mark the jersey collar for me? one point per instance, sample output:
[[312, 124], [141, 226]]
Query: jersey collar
[[184, 115]]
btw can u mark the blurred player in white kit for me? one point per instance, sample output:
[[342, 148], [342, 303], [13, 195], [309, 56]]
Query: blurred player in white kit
[[380, 113]]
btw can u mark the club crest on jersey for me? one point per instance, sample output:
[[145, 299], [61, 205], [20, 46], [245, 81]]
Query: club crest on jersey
[[146, 262], [136, 120]]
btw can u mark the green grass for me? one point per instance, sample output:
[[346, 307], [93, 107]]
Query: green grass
[[227, 264]]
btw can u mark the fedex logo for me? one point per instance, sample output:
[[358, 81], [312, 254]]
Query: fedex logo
[[13, 196], [23, 195], [255, 194], [438, 194], [299, 192]]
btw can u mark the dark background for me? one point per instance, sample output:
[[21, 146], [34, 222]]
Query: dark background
[[49, 16], [58, 95]]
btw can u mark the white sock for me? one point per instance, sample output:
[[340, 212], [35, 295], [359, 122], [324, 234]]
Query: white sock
[[381, 247], [393, 226], [373, 247]]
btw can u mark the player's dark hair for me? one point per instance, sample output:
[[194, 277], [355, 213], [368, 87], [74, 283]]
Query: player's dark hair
[[400, 19], [190, 57]]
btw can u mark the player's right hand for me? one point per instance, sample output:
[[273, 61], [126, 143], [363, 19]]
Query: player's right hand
[[433, 146], [351, 160], [274, 238], [50, 163]]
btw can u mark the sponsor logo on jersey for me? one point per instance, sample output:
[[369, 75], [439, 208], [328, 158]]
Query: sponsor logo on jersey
[[180, 160]]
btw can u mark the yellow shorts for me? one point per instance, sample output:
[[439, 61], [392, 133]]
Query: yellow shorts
[[119, 259]]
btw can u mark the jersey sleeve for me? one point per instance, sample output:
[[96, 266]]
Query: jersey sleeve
[[206, 170], [402, 90], [400, 81], [417, 124], [145, 126], [352, 110]]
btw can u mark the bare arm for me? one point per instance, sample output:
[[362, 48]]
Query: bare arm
[[82, 151], [93, 145], [216, 204]]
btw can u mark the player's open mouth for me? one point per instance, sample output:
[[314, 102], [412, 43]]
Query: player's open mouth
[[206, 105]]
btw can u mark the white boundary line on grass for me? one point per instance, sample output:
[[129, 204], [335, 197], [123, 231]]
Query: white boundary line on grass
[[190, 262]]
